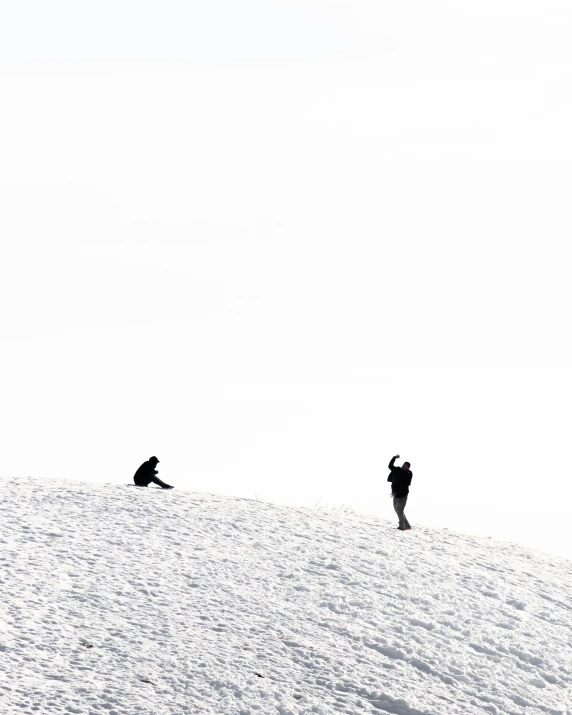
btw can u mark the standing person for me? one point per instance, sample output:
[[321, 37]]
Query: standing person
[[400, 478], [147, 474]]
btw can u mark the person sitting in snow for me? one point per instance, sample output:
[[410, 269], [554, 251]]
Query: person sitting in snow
[[400, 478], [147, 474]]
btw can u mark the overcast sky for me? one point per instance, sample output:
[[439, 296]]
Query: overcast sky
[[276, 243]]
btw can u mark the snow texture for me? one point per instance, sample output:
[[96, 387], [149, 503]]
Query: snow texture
[[118, 600]]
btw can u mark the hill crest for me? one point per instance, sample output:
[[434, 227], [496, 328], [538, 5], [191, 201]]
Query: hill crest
[[121, 600]]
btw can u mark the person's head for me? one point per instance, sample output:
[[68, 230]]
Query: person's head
[[406, 465], [154, 460]]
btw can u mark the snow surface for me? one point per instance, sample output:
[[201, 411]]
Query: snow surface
[[122, 600]]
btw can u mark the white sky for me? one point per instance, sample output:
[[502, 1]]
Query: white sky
[[275, 243]]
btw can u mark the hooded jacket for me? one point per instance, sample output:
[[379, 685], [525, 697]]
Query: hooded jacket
[[145, 474]]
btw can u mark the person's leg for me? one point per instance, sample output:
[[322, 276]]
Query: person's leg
[[157, 481], [406, 524], [399, 506]]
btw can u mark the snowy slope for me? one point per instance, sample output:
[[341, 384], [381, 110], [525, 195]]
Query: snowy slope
[[121, 600]]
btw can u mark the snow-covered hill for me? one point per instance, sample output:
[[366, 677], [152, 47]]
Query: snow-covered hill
[[122, 600]]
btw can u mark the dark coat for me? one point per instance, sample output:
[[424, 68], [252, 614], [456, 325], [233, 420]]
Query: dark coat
[[400, 480], [145, 474]]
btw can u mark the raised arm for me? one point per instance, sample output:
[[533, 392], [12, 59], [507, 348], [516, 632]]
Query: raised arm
[[392, 462]]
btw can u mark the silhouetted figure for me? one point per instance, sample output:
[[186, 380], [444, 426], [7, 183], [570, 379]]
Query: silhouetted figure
[[400, 478], [147, 474]]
